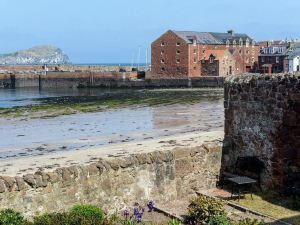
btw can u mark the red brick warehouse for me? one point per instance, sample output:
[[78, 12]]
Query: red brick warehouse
[[180, 54]]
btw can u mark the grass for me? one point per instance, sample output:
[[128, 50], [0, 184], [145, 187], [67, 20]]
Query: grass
[[273, 205], [66, 105]]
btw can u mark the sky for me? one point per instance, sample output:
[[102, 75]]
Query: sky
[[112, 31]]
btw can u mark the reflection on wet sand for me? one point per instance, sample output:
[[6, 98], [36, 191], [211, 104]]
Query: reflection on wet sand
[[74, 132]]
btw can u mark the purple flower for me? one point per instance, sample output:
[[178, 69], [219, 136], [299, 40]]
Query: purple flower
[[139, 217], [151, 206], [135, 211], [126, 213]]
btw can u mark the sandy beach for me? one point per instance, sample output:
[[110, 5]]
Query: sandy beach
[[25, 165]]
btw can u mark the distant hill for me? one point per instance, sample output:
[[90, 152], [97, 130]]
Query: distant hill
[[42, 54]]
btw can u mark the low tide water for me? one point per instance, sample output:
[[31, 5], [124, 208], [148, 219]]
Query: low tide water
[[30, 137]]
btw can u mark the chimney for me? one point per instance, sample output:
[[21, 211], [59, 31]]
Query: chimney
[[231, 32]]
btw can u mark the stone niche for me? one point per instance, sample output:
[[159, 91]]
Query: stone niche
[[262, 119]]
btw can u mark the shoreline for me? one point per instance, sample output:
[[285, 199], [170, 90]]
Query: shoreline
[[50, 162]]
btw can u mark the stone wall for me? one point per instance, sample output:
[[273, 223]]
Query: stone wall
[[262, 119], [116, 182], [101, 79]]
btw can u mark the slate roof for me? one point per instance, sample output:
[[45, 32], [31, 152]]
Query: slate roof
[[293, 54], [211, 37]]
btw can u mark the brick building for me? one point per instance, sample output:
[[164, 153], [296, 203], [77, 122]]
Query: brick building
[[217, 63], [181, 54]]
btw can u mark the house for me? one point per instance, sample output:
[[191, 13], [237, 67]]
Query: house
[[293, 58], [181, 54], [278, 56], [218, 63]]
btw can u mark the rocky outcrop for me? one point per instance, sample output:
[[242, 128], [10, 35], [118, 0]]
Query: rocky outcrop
[[36, 55], [117, 182]]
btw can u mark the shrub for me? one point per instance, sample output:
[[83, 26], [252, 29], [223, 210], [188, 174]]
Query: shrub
[[53, 219], [87, 214], [219, 220], [11, 217], [248, 221], [202, 208]]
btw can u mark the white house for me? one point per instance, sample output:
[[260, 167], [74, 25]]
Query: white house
[[294, 61]]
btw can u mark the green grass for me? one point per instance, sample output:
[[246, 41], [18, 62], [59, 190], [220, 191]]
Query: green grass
[[273, 205]]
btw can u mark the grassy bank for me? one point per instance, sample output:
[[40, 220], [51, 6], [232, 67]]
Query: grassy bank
[[66, 105]]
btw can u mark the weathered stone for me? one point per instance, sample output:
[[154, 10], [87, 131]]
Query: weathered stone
[[126, 162], [143, 158], [53, 177], [9, 182], [20, 183], [2, 186], [114, 164], [29, 179], [38, 180], [266, 128], [41, 179], [93, 169], [74, 171], [115, 183]]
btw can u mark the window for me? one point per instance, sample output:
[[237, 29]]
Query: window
[[227, 43], [240, 51], [195, 60], [178, 44], [195, 67], [177, 60], [178, 52], [247, 52], [234, 43], [163, 69], [253, 60], [162, 52], [195, 51], [178, 69], [162, 44], [241, 42], [203, 51], [253, 43], [277, 59], [262, 59], [162, 61], [247, 43]]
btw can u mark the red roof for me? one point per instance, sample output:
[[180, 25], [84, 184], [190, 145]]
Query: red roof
[[218, 53]]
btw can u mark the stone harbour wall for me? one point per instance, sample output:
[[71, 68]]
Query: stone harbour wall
[[101, 79], [117, 182], [262, 119]]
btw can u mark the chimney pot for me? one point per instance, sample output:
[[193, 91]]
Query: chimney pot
[[231, 32]]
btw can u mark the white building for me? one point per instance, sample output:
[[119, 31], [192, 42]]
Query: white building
[[294, 61]]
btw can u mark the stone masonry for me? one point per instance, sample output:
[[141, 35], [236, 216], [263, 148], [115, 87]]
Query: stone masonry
[[262, 119], [115, 183]]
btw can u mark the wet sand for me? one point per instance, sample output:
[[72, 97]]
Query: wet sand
[[29, 145], [35, 137], [49, 162]]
